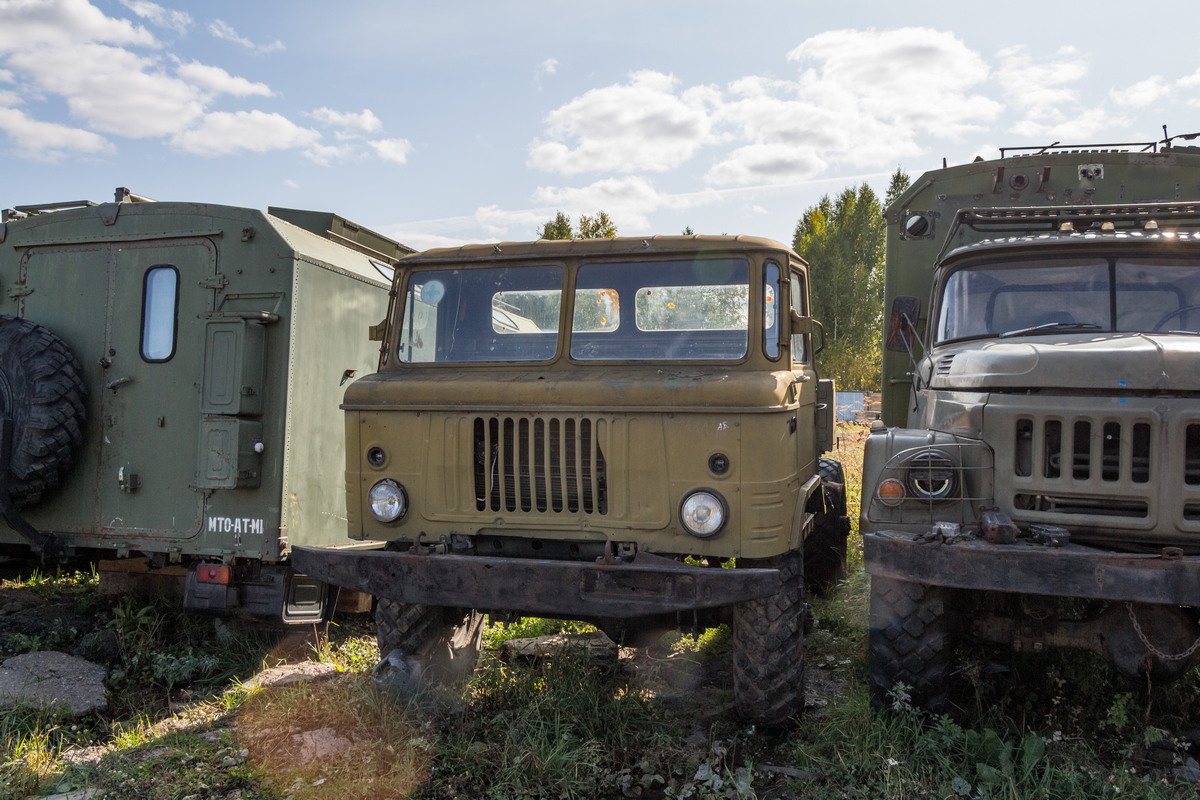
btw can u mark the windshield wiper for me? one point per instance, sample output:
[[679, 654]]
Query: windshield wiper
[[1051, 326]]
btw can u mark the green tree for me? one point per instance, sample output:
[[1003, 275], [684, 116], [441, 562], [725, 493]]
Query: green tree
[[557, 228], [843, 242], [600, 226]]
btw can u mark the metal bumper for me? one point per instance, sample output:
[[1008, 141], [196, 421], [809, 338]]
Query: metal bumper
[[1027, 568], [641, 587]]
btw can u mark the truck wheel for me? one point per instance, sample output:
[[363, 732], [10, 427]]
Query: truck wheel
[[908, 643], [768, 647], [825, 547], [425, 647], [42, 392]]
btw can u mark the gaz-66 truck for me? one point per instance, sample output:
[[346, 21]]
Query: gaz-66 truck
[[1035, 480], [596, 430], [170, 375]]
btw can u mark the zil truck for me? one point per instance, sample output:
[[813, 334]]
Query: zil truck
[[170, 375], [624, 431], [1034, 481]]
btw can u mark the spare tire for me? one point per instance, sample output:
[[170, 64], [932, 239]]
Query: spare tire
[[42, 392]]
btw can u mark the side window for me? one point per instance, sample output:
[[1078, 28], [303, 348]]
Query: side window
[[771, 310], [800, 306], [160, 304]]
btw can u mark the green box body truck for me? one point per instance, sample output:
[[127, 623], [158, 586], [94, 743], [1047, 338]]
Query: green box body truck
[[596, 430], [1035, 479], [170, 375]]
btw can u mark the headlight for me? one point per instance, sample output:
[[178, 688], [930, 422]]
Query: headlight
[[703, 513], [388, 500], [932, 476]]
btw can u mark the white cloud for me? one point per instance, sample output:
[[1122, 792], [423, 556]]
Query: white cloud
[[217, 81], [628, 200], [29, 24], [547, 67], [394, 150], [225, 133], [1143, 93], [178, 21], [640, 125], [223, 30], [365, 121], [1045, 96], [111, 89], [860, 98], [48, 141]]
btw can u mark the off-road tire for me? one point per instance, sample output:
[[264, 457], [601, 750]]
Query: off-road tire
[[42, 391], [825, 546], [443, 642], [768, 647], [909, 643]]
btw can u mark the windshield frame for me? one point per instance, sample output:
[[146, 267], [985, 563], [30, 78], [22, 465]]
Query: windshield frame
[[752, 329], [1110, 309]]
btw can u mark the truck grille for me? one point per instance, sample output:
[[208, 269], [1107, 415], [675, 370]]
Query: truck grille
[[548, 465], [1078, 465]]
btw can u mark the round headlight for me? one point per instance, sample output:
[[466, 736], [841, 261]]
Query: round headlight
[[388, 500], [932, 477], [703, 513]]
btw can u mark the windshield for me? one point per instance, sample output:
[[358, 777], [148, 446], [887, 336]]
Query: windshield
[[1030, 298], [693, 309], [671, 310]]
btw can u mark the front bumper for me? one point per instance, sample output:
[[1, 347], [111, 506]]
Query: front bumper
[[643, 586], [1028, 568]]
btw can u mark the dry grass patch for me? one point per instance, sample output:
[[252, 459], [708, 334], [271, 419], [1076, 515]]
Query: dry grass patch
[[334, 739]]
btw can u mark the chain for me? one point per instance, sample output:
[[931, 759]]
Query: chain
[[1154, 650]]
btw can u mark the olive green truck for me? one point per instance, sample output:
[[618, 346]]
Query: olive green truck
[[170, 375], [626, 432], [1035, 479]]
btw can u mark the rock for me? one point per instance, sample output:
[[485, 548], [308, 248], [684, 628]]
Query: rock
[[102, 647], [77, 794], [291, 674], [52, 679], [319, 744]]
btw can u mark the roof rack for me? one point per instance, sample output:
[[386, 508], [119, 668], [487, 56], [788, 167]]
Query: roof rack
[[1048, 219]]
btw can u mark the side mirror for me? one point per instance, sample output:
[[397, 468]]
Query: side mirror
[[902, 331], [819, 339]]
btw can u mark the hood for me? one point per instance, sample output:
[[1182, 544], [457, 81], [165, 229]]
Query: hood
[[656, 387], [1111, 362]]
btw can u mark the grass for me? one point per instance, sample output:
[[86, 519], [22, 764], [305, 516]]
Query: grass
[[658, 725]]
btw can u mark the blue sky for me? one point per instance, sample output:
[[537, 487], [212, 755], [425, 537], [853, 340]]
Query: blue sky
[[442, 123]]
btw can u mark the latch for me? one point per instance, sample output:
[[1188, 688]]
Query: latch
[[218, 281], [128, 480], [20, 290]]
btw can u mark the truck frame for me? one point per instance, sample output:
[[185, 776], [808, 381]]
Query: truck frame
[[1035, 479], [169, 380], [591, 430]]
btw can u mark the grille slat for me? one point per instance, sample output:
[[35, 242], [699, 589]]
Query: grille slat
[[540, 465]]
